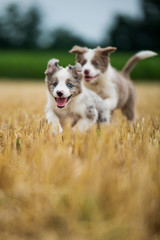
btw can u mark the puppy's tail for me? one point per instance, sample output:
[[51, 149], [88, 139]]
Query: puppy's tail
[[136, 58]]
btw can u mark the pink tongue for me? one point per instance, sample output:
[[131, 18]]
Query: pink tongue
[[61, 102], [88, 79]]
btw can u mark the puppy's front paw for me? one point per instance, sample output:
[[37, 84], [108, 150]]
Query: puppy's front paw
[[78, 129], [75, 129], [57, 130], [104, 116]]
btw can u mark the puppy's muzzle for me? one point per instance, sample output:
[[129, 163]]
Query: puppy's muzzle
[[60, 93]]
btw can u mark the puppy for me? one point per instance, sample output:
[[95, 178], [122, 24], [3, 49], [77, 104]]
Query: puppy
[[114, 87], [68, 99]]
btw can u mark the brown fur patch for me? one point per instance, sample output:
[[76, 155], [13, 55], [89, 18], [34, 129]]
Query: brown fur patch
[[106, 51], [78, 49], [50, 80], [100, 61], [75, 118], [52, 67], [76, 86], [80, 59], [76, 71], [129, 110], [72, 117]]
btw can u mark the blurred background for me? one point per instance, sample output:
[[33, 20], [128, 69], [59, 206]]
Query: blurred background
[[33, 31]]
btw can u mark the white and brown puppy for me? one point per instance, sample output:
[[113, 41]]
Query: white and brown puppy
[[68, 99], [114, 87]]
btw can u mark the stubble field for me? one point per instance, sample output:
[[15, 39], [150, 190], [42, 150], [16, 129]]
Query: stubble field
[[99, 185]]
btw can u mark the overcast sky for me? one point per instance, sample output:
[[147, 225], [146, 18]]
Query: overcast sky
[[87, 18]]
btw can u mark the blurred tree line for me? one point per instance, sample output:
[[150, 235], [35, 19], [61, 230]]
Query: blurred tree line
[[19, 30], [22, 30], [130, 33]]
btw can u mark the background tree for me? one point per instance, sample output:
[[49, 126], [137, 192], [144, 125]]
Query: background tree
[[31, 28], [10, 22], [129, 33], [19, 29], [65, 39]]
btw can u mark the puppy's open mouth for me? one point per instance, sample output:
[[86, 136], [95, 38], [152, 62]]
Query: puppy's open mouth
[[88, 78], [61, 102]]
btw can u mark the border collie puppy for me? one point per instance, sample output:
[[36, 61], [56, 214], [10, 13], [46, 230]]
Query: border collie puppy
[[69, 99], [114, 87]]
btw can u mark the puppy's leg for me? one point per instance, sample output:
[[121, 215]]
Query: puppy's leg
[[111, 103], [104, 116], [85, 123], [52, 118], [129, 110]]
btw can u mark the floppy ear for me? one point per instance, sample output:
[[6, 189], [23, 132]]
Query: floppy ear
[[107, 50], [77, 49], [52, 67], [76, 71]]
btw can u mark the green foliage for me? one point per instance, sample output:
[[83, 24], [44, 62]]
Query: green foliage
[[18, 145], [147, 69], [29, 64], [32, 64]]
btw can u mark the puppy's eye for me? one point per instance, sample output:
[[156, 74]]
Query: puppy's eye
[[83, 62], [95, 64], [69, 85], [55, 84]]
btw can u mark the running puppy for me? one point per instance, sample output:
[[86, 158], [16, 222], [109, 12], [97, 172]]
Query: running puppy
[[68, 98], [114, 87]]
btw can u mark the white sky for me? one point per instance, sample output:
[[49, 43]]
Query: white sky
[[87, 18]]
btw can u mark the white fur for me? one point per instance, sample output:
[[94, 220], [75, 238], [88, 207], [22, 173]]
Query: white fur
[[51, 116], [145, 54], [62, 76], [109, 88]]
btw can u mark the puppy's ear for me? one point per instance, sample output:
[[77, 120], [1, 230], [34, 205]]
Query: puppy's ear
[[52, 67], [106, 51], [77, 49], [76, 71]]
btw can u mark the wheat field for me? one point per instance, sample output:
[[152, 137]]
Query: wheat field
[[100, 185]]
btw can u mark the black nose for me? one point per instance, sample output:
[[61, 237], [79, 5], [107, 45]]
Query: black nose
[[86, 71], [60, 93]]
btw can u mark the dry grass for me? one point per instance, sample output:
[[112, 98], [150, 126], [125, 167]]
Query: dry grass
[[100, 185]]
